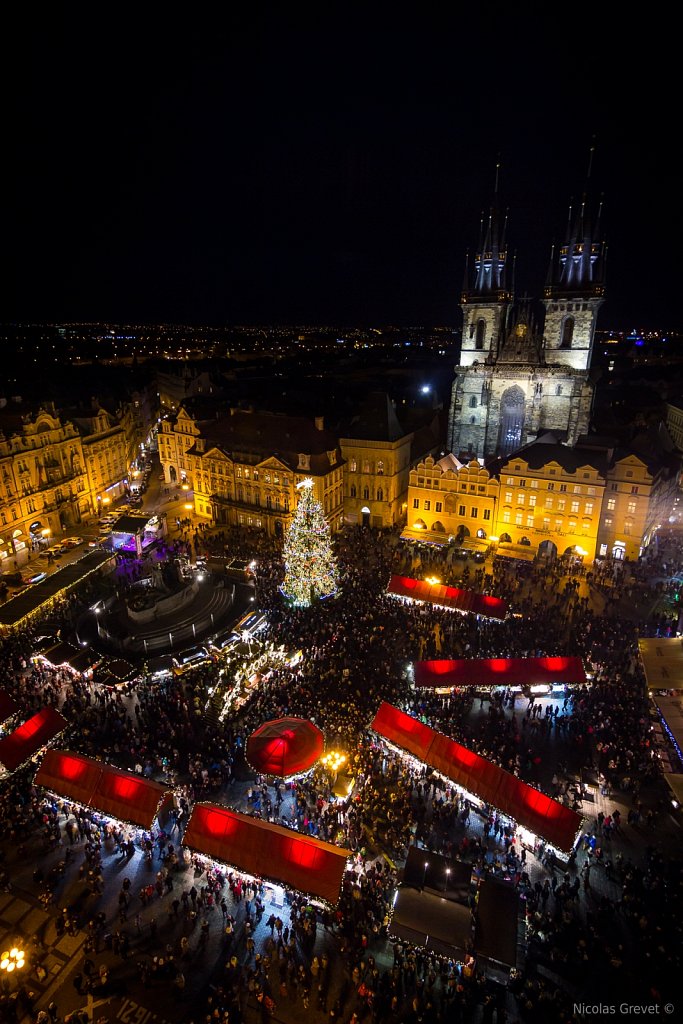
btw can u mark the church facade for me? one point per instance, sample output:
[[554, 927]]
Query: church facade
[[517, 379]]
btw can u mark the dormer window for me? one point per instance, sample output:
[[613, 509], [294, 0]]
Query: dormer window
[[304, 461]]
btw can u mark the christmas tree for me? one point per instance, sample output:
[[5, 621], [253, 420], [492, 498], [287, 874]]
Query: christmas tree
[[310, 568]]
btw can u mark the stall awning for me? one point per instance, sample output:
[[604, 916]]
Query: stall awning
[[499, 672], [8, 706], [30, 737], [663, 662], [448, 597], [530, 808], [268, 851], [113, 791]]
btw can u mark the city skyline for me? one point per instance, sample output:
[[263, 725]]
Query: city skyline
[[273, 167]]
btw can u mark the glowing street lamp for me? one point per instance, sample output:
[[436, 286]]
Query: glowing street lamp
[[12, 960], [188, 506], [424, 875]]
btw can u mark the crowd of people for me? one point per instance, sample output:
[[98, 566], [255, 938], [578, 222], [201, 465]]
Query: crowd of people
[[613, 906]]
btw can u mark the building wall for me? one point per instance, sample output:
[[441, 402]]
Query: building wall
[[583, 313], [376, 478], [553, 399], [674, 423], [451, 502], [43, 486]]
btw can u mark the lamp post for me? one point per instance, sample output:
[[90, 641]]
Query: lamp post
[[424, 875], [448, 876], [12, 960]]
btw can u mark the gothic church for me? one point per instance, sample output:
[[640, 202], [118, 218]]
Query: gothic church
[[515, 379]]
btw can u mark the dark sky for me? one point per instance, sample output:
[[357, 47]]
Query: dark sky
[[324, 165]]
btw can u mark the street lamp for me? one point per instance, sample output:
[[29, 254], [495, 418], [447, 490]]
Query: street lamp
[[448, 872], [12, 960], [424, 875]]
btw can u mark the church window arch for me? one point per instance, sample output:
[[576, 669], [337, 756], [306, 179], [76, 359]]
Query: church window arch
[[380, 494], [511, 419], [366, 493], [558, 389], [353, 490], [481, 333], [567, 332], [473, 402]]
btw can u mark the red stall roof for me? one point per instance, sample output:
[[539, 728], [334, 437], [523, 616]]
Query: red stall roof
[[8, 706], [448, 597], [267, 851], [113, 791], [499, 672], [30, 737], [285, 747], [530, 808]]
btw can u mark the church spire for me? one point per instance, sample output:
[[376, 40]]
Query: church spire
[[579, 268], [490, 259]]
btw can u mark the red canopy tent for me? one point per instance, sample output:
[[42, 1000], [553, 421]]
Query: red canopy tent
[[267, 851], [499, 672], [35, 733], [8, 706], [448, 597], [530, 808], [285, 747], [113, 791]]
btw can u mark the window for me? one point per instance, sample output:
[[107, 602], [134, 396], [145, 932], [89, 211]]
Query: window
[[510, 481], [590, 491], [572, 526], [256, 474], [481, 490], [548, 502], [563, 488], [603, 550], [439, 506], [380, 469], [566, 336], [611, 504], [366, 495], [473, 512], [574, 507], [416, 501], [518, 518], [608, 520], [561, 503], [353, 466], [238, 472], [629, 472], [428, 505], [530, 520], [577, 489], [588, 508], [481, 333], [473, 402], [546, 524], [631, 508], [473, 489], [532, 500], [352, 492], [634, 490], [461, 510], [506, 515], [627, 527], [520, 498], [522, 483], [508, 497], [551, 486], [380, 494], [558, 525], [366, 466], [534, 484], [487, 513]]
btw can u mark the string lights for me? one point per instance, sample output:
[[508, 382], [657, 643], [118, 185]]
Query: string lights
[[310, 568]]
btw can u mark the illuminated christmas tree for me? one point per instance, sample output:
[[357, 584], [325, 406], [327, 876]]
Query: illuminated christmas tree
[[310, 568]]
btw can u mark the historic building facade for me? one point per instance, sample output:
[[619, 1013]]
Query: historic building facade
[[242, 468], [517, 378], [547, 499], [43, 482]]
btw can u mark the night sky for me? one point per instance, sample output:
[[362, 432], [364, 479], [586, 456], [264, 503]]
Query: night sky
[[324, 165]]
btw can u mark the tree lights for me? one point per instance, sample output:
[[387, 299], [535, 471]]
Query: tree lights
[[310, 568]]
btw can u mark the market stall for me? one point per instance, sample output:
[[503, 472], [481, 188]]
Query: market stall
[[529, 807], [28, 738], [487, 672], [103, 787], [268, 851], [285, 747], [447, 597]]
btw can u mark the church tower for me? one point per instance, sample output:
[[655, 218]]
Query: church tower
[[517, 379]]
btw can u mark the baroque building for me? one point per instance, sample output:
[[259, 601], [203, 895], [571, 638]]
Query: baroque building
[[546, 500], [516, 378], [242, 468]]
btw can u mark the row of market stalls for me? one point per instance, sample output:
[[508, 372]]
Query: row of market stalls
[[257, 848], [20, 741], [534, 811], [662, 661]]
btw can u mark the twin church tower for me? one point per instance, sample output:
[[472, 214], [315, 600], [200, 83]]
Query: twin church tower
[[517, 379]]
